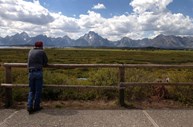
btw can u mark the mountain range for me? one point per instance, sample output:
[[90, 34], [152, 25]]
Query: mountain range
[[92, 39]]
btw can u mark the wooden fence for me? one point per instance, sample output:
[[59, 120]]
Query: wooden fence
[[121, 86]]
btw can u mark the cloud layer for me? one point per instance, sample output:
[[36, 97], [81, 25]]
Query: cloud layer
[[149, 18]]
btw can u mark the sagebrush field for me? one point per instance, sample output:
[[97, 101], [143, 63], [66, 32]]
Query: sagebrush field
[[101, 76]]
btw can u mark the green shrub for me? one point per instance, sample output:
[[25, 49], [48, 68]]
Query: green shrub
[[53, 77], [138, 93], [19, 75], [104, 77], [79, 94], [183, 94], [51, 94], [20, 94], [108, 94]]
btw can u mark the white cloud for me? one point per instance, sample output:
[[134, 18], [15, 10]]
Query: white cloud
[[148, 17], [91, 20], [176, 24], [140, 6], [64, 23], [36, 2], [23, 11], [99, 6], [153, 15]]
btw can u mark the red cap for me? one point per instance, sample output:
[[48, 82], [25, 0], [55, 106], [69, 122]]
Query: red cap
[[39, 44]]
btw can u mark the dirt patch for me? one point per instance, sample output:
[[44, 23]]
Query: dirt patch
[[163, 104], [101, 104], [82, 104]]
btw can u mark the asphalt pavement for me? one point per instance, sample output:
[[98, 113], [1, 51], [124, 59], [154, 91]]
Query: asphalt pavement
[[96, 118]]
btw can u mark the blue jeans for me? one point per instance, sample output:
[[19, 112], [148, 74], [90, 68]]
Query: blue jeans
[[35, 85]]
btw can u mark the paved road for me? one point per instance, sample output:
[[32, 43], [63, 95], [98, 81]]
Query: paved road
[[96, 118]]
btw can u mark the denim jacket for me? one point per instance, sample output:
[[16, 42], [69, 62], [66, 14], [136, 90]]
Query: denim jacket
[[37, 58]]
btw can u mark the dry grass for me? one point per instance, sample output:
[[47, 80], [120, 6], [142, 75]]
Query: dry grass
[[105, 105], [71, 104]]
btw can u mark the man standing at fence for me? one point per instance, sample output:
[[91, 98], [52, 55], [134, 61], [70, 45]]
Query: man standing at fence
[[37, 58]]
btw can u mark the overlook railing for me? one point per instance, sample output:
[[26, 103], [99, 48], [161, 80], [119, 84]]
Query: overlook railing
[[121, 86]]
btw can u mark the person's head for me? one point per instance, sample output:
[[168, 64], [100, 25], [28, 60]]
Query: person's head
[[38, 44]]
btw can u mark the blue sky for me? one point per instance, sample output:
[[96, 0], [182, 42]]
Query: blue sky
[[77, 7], [182, 6], [112, 19], [113, 7]]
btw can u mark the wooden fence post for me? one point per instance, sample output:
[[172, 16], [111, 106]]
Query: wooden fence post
[[8, 90], [121, 87]]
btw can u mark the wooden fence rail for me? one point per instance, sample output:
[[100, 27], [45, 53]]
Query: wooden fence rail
[[122, 85]]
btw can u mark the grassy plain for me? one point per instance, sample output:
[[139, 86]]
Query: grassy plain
[[103, 76], [71, 55]]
